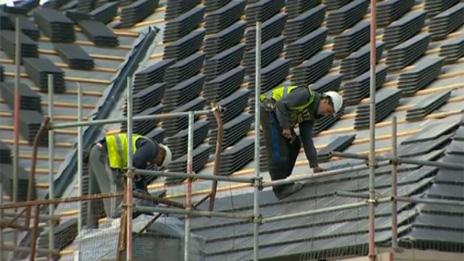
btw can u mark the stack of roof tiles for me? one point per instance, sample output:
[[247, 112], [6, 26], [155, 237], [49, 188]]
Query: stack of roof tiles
[[327, 121], [213, 5], [178, 143], [147, 98], [427, 105], [224, 39], [200, 158], [340, 143], [232, 106], [85, 5], [184, 69], [346, 16], [403, 29], [28, 46], [55, 25], [272, 75], [434, 7], [98, 33], [38, 70], [358, 88], [351, 39], [105, 13], [8, 22], [358, 62], [223, 17], [5, 154], [29, 124], [446, 22], [237, 156], [234, 130], [304, 23], [390, 10], [336, 4], [271, 28], [183, 92], [183, 24], [386, 101], [262, 10], [6, 179], [330, 82], [175, 8], [313, 69], [452, 49], [151, 74], [423, 72], [404, 54], [185, 46], [29, 100], [144, 126], [137, 11], [224, 84], [174, 125], [224, 61], [306, 46], [270, 51], [74, 56], [296, 7]]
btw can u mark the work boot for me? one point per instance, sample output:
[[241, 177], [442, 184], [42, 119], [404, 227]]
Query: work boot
[[288, 190]]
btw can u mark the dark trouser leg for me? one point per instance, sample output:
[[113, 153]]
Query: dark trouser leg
[[108, 180], [91, 205], [277, 148], [293, 151]]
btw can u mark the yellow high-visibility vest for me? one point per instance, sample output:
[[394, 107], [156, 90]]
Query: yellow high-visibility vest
[[116, 146], [297, 113]]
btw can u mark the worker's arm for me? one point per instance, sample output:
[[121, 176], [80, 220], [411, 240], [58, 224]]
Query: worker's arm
[[146, 152], [306, 134], [297, 97]]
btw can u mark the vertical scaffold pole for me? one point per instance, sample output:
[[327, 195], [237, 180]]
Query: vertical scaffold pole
[[188, 196], [51, 156], [372, 117], [257, 143]]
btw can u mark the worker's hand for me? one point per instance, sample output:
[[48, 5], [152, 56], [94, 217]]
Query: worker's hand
[[318, 169], [287, 133]]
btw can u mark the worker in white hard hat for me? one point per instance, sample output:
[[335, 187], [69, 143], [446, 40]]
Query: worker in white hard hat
[[107, 161], [282, 109]]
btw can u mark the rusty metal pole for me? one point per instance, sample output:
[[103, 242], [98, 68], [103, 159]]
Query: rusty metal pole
[[188, 195], [130, 173], [394, 184], [372, 160], [217, 157], [34, 232]]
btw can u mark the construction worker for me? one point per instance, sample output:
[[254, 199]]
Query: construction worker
[[107, 163], [282, 108]]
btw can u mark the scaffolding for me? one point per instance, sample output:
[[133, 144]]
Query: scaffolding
[[188, 209]]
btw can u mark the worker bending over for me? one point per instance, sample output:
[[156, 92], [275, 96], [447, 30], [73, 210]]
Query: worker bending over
[[108, 163], [282, 108]]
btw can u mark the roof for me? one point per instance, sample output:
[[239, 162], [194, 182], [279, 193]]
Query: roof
[[441, 76]]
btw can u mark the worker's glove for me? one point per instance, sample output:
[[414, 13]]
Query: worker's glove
[[318, 169]]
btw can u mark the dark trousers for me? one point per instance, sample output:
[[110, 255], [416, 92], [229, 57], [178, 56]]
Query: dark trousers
[[103, 179], [281, 152]]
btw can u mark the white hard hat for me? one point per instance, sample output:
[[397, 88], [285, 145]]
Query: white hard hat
[[167, 156], [337, 100]]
